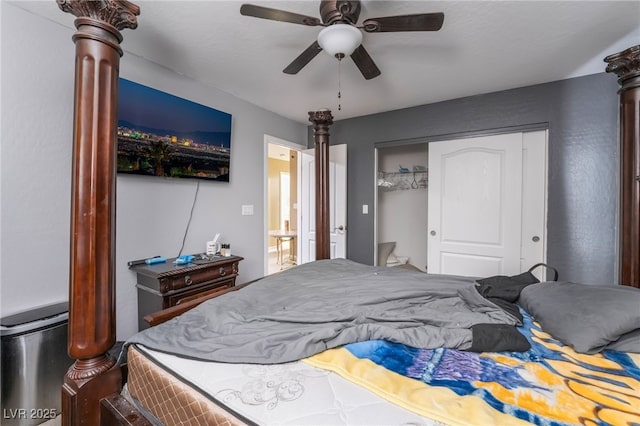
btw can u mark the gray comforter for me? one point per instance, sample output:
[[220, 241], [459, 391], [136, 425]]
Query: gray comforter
[[324, 304]]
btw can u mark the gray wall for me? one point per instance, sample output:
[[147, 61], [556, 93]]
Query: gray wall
[[152, 213], [582, 118]]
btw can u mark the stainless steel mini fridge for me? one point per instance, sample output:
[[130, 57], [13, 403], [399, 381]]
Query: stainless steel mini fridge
[[34, 362]]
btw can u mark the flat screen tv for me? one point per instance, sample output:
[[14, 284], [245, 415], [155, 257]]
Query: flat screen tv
[[163, 135]]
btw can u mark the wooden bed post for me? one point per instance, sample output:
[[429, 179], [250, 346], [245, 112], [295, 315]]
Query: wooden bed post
[[321, 120], [626, 65], [94, 374]]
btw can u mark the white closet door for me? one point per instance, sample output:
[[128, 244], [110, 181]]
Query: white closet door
[[475, 203], [534, 197]]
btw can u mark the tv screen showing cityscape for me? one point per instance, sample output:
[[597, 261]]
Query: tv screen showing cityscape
[[163, 135]]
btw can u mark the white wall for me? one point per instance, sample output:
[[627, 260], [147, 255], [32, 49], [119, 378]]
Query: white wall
[[37, 92], [402, 214], [152, 213]]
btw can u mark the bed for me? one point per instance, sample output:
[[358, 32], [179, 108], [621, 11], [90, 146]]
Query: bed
[[335, 342], [99, 390]]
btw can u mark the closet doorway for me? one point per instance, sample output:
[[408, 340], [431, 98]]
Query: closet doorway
[[282, 174], [402, 203], [482, 211]]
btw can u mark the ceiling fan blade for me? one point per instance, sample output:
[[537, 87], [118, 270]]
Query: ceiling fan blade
[[417, 22], [278, 15], [364, 63], [303, 59]]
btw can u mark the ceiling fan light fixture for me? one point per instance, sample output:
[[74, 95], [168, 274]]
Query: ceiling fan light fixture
[[340, 40]]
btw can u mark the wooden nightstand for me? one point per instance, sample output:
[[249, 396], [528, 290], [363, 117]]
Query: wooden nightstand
[[164, 285]]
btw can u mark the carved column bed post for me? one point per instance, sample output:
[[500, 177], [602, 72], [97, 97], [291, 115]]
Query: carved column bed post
[[94, 374], [626, 65], [321, 120]]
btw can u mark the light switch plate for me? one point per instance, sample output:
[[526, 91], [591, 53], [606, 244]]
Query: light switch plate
[[247, 210], [365, 209]]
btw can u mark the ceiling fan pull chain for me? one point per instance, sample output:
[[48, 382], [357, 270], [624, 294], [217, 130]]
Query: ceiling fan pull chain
[[339, 89]]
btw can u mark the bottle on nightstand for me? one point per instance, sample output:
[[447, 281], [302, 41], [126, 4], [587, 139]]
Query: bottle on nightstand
[[225, 250]]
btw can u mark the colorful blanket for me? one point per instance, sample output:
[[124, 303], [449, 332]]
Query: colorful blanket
[[550, 384]]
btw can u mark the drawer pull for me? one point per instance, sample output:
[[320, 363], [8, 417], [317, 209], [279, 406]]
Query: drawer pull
[[222, 271], [187, 280]]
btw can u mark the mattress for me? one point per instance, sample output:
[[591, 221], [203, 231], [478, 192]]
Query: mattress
[[180, 391]]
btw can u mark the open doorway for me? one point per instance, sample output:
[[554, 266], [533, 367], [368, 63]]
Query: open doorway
[[281, 205]]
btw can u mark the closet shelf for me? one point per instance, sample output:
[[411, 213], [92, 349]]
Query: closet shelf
[[392, 181]]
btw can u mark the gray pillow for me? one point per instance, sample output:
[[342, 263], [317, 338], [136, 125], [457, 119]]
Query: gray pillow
[[589, 318], [628, 342], [384, 250]]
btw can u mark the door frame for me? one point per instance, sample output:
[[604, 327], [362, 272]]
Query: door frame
[[268, 139]]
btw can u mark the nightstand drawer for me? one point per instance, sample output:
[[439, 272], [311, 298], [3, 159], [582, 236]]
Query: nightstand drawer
[[187, 295], [195, 276]]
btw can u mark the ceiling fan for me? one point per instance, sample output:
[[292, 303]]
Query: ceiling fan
[[342, 36]]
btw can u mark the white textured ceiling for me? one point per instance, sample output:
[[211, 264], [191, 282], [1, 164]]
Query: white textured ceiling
[[483, 46]]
